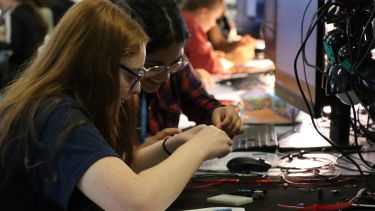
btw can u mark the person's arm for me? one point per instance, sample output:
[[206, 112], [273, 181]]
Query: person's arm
[[227, 119], [203, 108], [153, 154], [200, 52], [219, 42], [114, 186], [205, 77], [196, 103], [160, 135]]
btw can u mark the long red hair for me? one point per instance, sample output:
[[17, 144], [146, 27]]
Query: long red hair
[[80, 59]]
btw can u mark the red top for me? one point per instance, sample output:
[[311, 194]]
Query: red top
[[199, 50]]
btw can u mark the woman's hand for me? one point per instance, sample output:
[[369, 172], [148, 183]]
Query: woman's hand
[[205, 77], [178, 139], [167, 132], [188, 134], [227, 119], [247, 40], [211, 141], [241, 54]]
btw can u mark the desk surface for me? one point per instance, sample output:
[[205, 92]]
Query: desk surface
[[276, 194], [342, 189]]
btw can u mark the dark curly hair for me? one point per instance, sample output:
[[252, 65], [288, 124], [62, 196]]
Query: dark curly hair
[[162, 21], [191, 5]]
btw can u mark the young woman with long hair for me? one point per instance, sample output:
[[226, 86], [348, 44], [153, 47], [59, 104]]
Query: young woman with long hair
[[67, 125]]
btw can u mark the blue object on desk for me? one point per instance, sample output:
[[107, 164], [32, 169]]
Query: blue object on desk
[[143, 118]]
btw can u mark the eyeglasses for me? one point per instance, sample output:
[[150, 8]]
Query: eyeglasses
[[137, 76], [173, 68]]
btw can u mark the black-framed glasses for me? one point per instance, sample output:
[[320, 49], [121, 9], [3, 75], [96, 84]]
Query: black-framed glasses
[[173, 68], [137, 76]]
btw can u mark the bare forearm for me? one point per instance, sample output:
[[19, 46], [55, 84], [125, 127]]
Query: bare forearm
[[151, 155], [109, 181], [148, 156], [163, 176]]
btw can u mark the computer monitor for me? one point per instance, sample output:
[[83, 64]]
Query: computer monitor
[[288, 15], [250, 17], [269, 29]]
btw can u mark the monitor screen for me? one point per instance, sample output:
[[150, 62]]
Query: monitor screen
[[289, 15], [292, 22], [269, 29], [250, 17]]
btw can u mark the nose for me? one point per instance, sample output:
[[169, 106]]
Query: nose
[[166, 75]]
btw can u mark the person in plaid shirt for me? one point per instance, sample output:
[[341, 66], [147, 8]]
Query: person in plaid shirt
[[170, 86]]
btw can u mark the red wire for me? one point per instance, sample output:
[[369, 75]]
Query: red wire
[[219, 181], [261, 181], [233, 180], [316, 207]]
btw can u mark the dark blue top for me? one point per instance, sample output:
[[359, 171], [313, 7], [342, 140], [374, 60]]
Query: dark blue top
[[80, 148]]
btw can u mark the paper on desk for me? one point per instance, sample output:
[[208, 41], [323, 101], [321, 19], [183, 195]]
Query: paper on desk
[[219, 209], [307, 137], [261, 64]]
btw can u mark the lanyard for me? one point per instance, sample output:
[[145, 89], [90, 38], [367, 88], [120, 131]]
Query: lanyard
[[143, 118]]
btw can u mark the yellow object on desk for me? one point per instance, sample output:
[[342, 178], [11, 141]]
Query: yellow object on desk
[[232, 200]]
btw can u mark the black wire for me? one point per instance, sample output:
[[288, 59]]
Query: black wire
[[349, 41], [336, 80], [341, 157], [355, 66], [368, 113], [365, 130], [367, 127], [354, 125], [362, 59], [309, 109], [310, 27], [367, 23], [305, 59], [304, 55]]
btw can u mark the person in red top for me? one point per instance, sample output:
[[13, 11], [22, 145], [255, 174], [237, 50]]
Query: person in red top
[[200, 17]]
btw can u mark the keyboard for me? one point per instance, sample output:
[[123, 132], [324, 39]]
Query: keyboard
[[260, 137]]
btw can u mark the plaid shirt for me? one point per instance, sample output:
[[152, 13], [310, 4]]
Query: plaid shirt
[[183, 92]]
